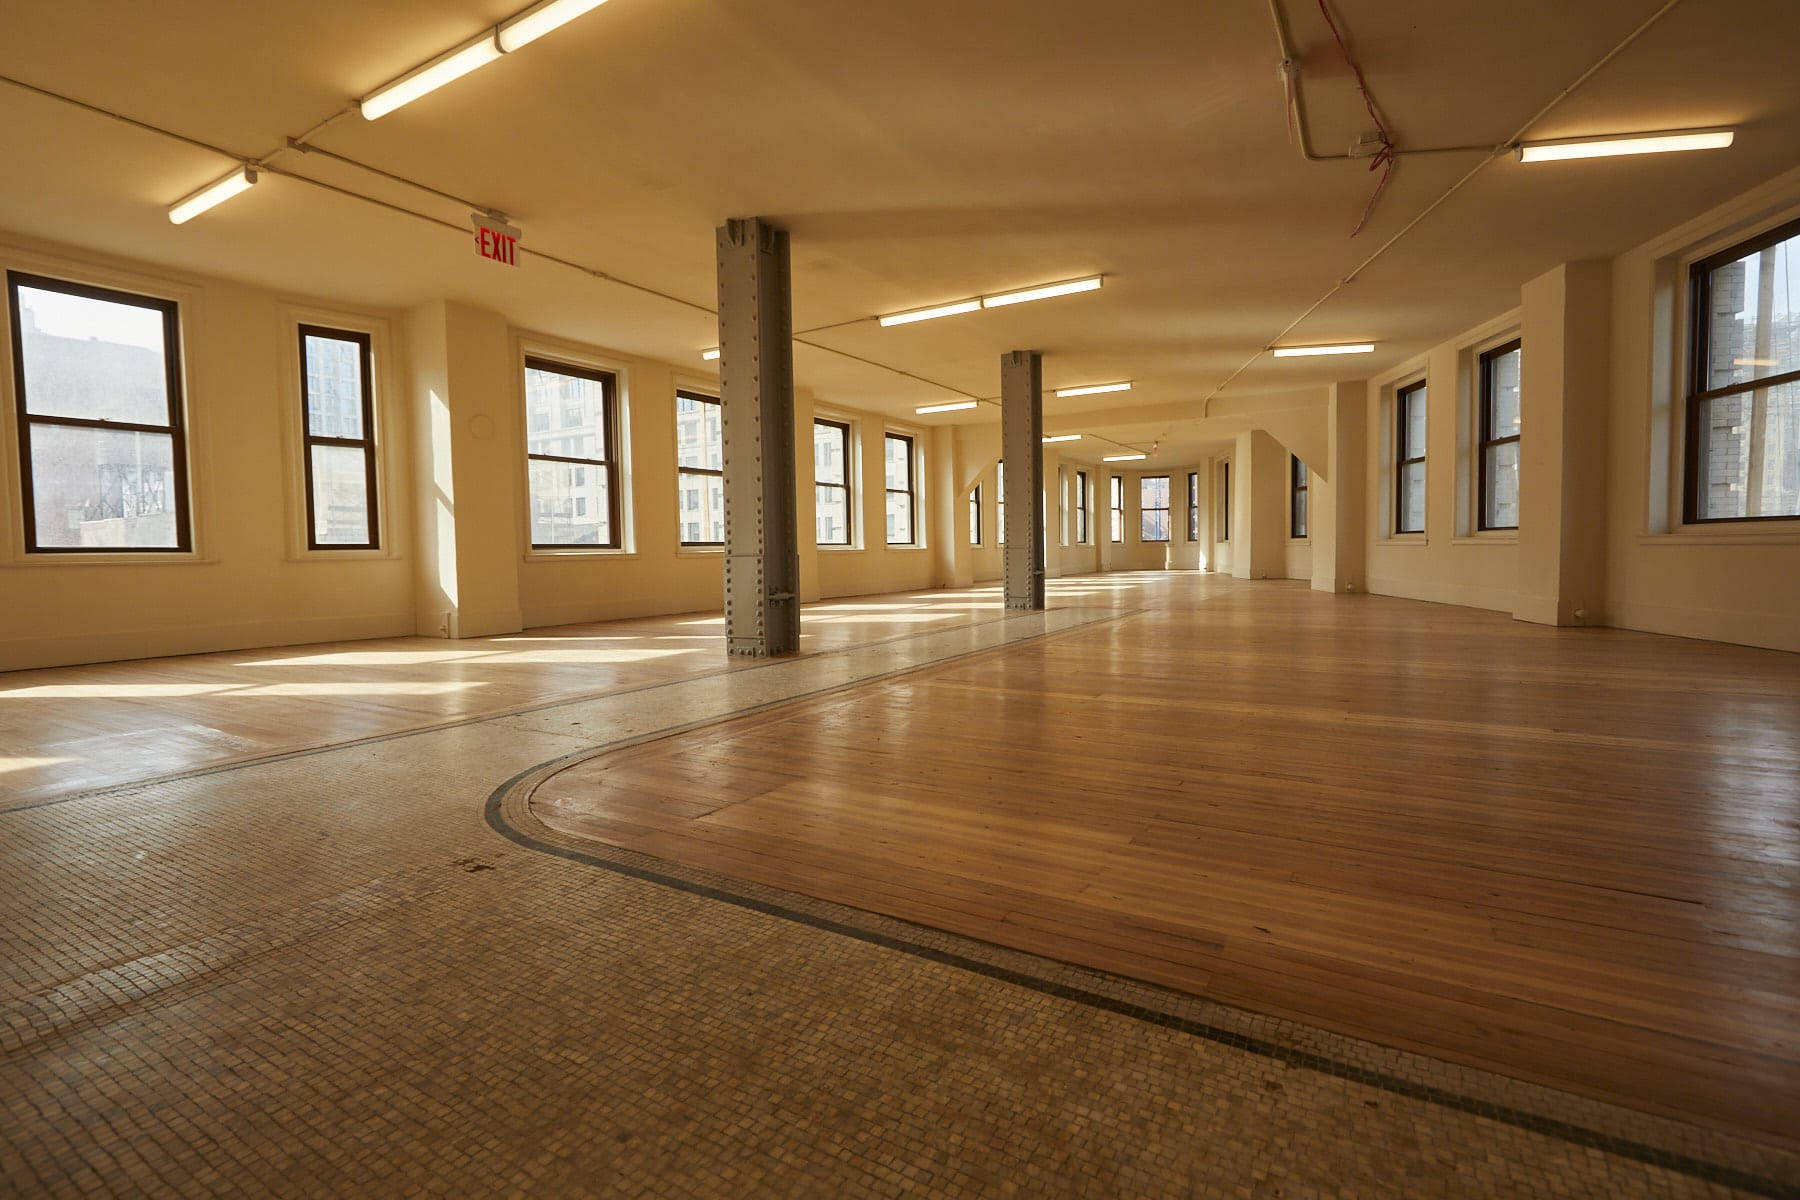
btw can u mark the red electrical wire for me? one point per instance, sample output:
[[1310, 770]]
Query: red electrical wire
[[1384, 158]]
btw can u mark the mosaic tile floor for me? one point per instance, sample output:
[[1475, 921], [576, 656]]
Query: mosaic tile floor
[[368, 971]]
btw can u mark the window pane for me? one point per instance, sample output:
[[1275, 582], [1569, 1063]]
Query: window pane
[[828, 454], [699, 440], [975, 517], [105, 488], [702, 508], [556, 517], [1749, 455], [334, 388], [563, 416], [1503, 395], [899, 462], [1300, 513], [1755, 316], [340, 485], [1501, 505], [1153, 492], [899, 519], [1412, 498], [1155, 525], [1415, 423], [832, 515], [94, 359]]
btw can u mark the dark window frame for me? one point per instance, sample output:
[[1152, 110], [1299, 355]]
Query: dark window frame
[[176, 430], [1485, 431], [843, 432], [1193, 499], [975, 516], [910, 491], [1116, 508], [1299, 487], [1166, 509], [366, 443], [1700, 364], [1225, 501], [1081, 508], [609, 426], [704, 472], [1403, 456]]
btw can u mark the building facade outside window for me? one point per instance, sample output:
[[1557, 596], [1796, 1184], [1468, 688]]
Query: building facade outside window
[[831, 482], [102, 438], [1153, 508], [1298, 494], [1743, 396], [700, 469], [572, 434], [902, 497], [1409, 459], [1082, 500], [337, 408], [1118, 508], [1499, 449], [1193, 506]]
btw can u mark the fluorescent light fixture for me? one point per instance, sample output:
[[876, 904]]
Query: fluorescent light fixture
[[1095, 390], [1631, 143], [710, 355], [432, 76], [1063, 437], [540, 19], [1122, 457], [212, 195], [926, 314], [1092, 283], [953, 406], [1310, 351]]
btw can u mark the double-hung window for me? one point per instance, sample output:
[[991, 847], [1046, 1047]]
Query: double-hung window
[[975, 516], [1153, 508], [1409, 459], [1081, 508], [1297, 496], [831, 482], [1000, 503], [572, 459], [1193, 506], [1225, 501], [1499, 450], [338, 407], [1743, 394], [1118, 508], [700, 469], [102, 443], [902, 511]]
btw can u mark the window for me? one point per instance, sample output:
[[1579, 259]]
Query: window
[[1409, 459], [1153, 508], [1499, 449], [1118, 508], [1193, 506], [1743, 401], [831, 482], [975, 516], [1297, 496], [1081, 508], [1000, 503], [900, 506], [338, 406], [1225, 501], [700, 468], [558, 451], [102, 450]]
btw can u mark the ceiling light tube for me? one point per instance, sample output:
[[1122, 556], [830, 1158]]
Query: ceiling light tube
[[927, 314], [1310, 351], [1094, 390], [1122, 457], [953, 406], [432, 76], [540, 19], [1092, 283], [1063, 437], [710, 355], [213, 195], [1630, 143]]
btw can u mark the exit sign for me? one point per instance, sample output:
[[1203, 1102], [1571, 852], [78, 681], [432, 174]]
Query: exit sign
[[495, 239]]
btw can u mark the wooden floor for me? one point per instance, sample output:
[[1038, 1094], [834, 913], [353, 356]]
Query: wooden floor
[[1571, 856], [74, 728]]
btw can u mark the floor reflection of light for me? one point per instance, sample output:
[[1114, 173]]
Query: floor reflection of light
[[371, 658], [594, 655], [114, 691], [26, 764], [360, 688]]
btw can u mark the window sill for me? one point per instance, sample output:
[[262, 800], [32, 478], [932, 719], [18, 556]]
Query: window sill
[[903, 547], [540, 554], [327, 556], [126, 558], [838, 549], [699, 551], [1492, 537], [1404, 539], [1300, 541], [1777, 532]]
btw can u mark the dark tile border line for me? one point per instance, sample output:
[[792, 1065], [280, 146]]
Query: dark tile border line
[[728, 668], [1577, 1135]]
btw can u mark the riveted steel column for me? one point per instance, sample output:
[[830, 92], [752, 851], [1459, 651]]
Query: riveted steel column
[[756, 393], [1022, 445]]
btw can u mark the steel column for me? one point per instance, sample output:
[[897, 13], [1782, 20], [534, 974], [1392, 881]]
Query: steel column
[[1022, 445], [756, 393]]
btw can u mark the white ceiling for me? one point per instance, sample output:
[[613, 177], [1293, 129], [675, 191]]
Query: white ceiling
[[918, 153]]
